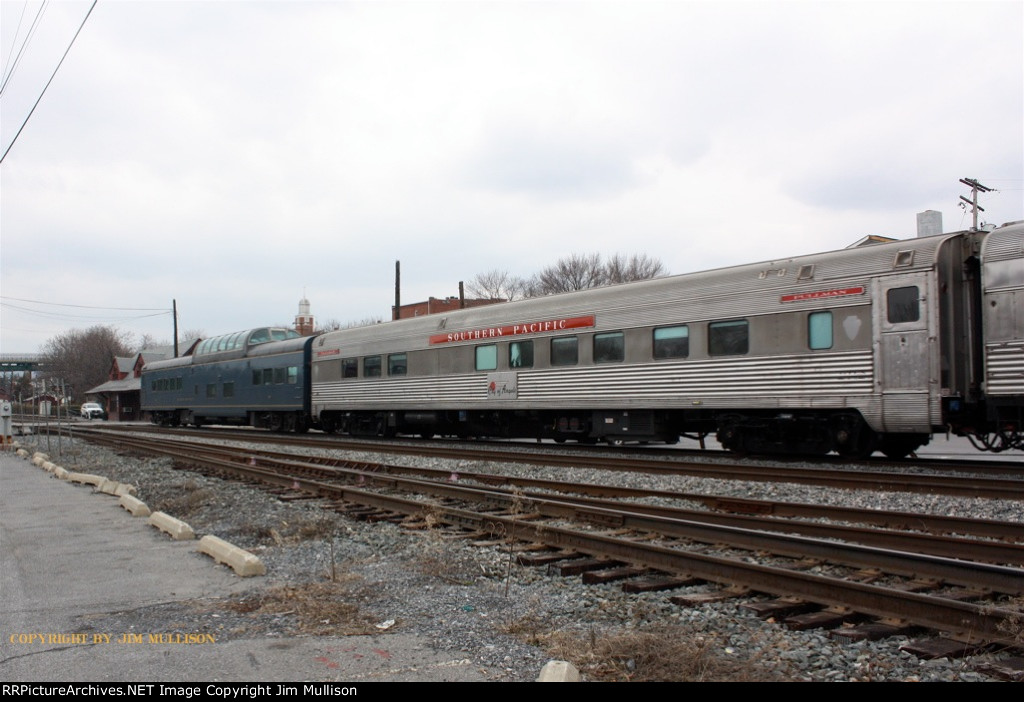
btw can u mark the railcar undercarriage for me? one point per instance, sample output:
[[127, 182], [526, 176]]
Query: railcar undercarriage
[[811, 433]]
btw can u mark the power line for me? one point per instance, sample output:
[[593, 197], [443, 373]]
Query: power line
[[9, 72], [90, 317], [11, 145], [87, 307]]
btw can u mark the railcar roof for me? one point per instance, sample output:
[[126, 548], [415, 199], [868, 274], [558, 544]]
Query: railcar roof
[[627, 300]]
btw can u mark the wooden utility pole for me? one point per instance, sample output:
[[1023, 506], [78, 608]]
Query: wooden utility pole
[[398, 288], [174, 313], [975, 187]]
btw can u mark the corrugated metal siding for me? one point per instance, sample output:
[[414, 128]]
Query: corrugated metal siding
[[1005, 368], [1004, 244], [906, 412], [652, 385]]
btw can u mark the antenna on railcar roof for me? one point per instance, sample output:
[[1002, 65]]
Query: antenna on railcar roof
[[975, 187]]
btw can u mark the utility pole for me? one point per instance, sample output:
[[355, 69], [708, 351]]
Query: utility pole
[[398, 291], [174, 313], [975, 187]]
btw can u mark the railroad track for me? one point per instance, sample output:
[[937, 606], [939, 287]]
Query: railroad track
[[899, 579], [976, 479]]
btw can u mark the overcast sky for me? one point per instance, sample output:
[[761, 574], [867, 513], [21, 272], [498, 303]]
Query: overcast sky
[[234, 155]]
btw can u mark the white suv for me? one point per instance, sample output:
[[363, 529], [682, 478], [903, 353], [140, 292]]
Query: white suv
[[92, 410]]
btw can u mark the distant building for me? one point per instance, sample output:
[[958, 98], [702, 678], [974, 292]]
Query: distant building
[[929, 223], [870, 240], [435, 305], [121, 395], [304, 320]]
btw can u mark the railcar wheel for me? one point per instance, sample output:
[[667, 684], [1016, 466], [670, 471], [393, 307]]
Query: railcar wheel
[[853, 438]]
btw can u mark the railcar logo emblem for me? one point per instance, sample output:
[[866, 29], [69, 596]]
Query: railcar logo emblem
[[819, 294]]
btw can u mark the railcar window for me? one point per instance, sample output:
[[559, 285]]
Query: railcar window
[[229, 389], [371, 367], [293, 375], [609, 347], [211, 389], [280, 375], [728, 338], [397, 364], [819, 330], [349, 367], [564, 351], [487, 357], [520, 354], [672, 342], [260, 336], [903, 305], [257, 376]]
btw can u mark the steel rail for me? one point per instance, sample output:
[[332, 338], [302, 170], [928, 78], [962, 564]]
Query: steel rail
[[997, 552], [963, 573], [972, 486], [972, 623]]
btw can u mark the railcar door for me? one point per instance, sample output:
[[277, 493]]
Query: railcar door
[[907, 354]]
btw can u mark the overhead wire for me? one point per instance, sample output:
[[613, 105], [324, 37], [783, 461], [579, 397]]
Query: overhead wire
[[59, 64], [10, 68], [89, 307]]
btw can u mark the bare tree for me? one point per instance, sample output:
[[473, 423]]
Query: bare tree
[[334, 324], [575, 272], [622, 269], [497, 284], [82, 359]]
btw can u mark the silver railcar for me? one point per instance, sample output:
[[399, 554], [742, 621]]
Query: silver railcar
[[862, 349]]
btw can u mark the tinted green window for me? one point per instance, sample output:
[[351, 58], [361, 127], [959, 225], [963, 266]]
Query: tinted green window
[[293, 375], [728, 338], [229, 389], [672, 342], [371, 367], [211, 390], [609, 347], [397, 364], [819, 330], [487, 357], [520, 354], [564, 351]]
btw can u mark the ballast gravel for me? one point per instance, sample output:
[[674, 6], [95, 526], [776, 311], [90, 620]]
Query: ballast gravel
[[330, 574]]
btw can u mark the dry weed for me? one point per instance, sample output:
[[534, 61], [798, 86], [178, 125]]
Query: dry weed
[[668, 654], [188, 501], [319, 609], [442, 557]]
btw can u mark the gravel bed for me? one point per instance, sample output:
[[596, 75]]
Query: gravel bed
[[332, 575]]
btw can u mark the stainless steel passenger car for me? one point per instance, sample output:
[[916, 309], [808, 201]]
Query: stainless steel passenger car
[[854, 350]]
